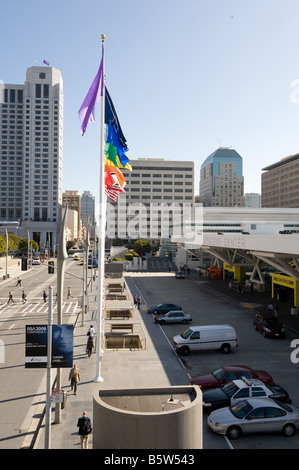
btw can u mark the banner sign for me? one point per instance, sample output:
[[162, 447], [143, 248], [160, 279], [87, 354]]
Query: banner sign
[[36, 347], [62, 345]]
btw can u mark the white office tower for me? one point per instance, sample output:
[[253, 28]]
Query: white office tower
[[157, 192], [31, 153]]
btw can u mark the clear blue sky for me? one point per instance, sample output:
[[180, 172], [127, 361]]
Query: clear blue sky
[[185, 77]]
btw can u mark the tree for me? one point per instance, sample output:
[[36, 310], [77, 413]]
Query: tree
[[142, 246], [23, 245]]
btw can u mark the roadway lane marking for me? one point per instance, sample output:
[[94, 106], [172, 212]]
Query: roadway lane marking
[[11, 326]]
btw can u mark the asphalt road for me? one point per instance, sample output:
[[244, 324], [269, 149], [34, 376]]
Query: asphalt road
[[21, 388], [208, 307]]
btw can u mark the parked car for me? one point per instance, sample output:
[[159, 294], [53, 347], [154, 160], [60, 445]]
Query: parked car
[[255, 415], [226, 374], [180, 275], [203, 337], [237, 390], [174, 316], [269, 325], [36, 261], [163, 308]]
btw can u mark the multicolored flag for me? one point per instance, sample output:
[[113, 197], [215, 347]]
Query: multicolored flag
[[115, 147], [46, 62], [95, 92], [112, 119]]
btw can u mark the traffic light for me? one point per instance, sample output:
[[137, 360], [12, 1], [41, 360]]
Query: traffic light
[[24, 264], [50, 267]]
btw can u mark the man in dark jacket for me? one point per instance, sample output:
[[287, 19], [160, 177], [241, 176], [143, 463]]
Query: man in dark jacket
[[84, 429]]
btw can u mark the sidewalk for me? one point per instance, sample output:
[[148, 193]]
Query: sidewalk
[[120, 369]]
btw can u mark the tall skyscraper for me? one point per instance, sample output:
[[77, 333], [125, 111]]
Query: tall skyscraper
[[221, 179], [31, 153]]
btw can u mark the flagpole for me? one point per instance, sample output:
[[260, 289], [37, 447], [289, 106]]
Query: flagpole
[[102, 227]]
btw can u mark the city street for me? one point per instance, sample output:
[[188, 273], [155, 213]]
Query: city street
[[22, 388]]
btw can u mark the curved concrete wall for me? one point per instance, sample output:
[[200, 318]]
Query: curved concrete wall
[[118, 428]]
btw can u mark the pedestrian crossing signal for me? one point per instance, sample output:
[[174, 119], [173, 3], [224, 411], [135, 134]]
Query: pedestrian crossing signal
[[50, 267]]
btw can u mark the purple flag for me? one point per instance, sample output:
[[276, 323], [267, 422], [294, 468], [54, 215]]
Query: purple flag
[[46, 62], [87, 110]]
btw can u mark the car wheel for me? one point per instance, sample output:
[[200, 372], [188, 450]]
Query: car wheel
[[225, 348], [184, 351], [184, 322], [264, 334], [288, 430], [234, 432], [162, 322], [155, 312]]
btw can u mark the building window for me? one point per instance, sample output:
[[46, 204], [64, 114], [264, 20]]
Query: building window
[[12, 96], [46, 91], [38, 90]]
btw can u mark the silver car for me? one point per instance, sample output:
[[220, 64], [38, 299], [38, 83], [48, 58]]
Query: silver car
[[174, 316], [255, 415]]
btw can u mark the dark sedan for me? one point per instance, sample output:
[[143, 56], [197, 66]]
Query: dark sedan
[[269, 325], [227, 373], [161, 309]]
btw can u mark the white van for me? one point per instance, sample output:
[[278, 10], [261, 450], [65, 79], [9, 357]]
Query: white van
[[198, 338]]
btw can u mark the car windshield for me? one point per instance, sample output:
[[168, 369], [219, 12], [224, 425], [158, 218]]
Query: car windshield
[[186, 333], [285, 406], [230, 389], [272, 322], [241, 409], [219, 373]]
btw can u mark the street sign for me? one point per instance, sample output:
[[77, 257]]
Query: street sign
[[57, 396]]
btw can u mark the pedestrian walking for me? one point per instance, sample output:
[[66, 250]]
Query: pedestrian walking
[[90, 331], [135, 299], [24, 297], [89, 346], [69, 293], [45, 296], [275, 309], [138, 301], [270, 308], [85, 428], [10, 298], [74, 377], [18, 282]]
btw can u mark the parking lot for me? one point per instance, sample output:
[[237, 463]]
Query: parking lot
[[207, 305]]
